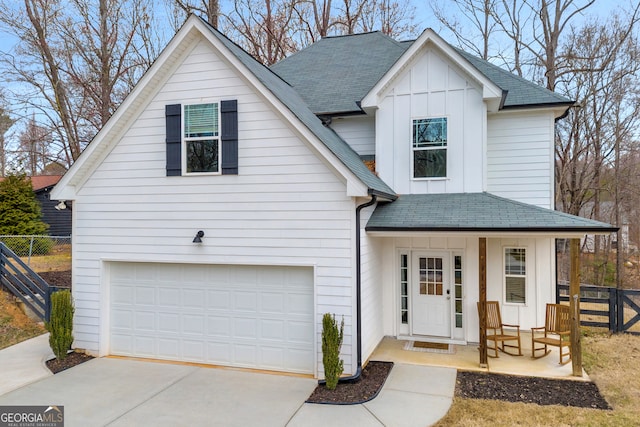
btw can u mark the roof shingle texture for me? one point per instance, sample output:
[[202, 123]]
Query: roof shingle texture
[[473, 212], [334, 74]]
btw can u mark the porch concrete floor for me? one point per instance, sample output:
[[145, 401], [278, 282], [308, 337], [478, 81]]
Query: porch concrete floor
[[467, 358]]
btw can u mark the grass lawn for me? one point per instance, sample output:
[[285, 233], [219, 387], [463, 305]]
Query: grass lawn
[[612, 362], [15, 326]]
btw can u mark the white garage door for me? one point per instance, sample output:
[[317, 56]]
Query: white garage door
[[245, 316]]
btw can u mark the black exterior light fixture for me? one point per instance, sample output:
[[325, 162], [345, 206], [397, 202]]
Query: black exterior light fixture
[[199, 236]]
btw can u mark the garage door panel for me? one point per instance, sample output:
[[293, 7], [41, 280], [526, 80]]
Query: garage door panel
[[245, 328], [145, 295], [193, 324], [218, 299], [168, 297], [168, 323], [145, 321], [194, 298], [272, 330], [219, 326], [245, 316], [245, 301]]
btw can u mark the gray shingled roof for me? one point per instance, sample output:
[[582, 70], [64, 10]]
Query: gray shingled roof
[[474, 212], [521, 92], [334, 74], [299, 108]]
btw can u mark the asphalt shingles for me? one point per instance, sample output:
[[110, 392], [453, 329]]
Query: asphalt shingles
[[473, 212]]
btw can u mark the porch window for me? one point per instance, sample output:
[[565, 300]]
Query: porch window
[[430, 148], [515, 275], [457, 270], [404, 289]]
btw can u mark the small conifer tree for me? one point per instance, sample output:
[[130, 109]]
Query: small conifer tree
[[60, 325], [332, 336]]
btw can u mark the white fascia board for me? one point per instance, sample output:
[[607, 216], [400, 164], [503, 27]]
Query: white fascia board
[[491, 93], [127, 112], [491, 234]]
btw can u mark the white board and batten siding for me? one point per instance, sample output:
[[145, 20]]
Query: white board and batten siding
[[520, 158], [432, 87], [284, 208]]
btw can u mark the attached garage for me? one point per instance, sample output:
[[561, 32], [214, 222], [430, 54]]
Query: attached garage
[[243, 316]]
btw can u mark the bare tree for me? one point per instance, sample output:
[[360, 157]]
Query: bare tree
[[6, 121], [264, 28], [208, 9], [75, 62], [33, 148], [479, 15], [393, 18]]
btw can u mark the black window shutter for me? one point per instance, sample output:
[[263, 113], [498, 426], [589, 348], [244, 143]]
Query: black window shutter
[[174, 138], [229, 136]]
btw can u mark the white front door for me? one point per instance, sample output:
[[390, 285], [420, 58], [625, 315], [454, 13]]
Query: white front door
[[430, 294]]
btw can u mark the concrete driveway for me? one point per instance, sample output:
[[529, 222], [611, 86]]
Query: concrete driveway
[[135, 393], [121, 392]]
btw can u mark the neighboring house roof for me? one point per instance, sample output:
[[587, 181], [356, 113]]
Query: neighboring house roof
[[334, 74], [475, 212], [42, 181]]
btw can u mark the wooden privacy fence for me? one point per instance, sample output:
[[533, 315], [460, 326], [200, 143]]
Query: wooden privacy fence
[[615, 309]]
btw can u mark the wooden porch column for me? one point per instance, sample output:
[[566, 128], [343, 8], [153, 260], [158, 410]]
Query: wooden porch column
[[574, 304], [482, 312]]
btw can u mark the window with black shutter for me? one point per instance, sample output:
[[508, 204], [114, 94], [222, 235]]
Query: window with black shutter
[[202, 138]]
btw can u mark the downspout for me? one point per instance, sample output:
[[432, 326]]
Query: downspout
[[356, 377]]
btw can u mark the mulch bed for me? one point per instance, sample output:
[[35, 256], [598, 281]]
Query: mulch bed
[[542, 391], [61, 279], [371, 381], [70, 361]]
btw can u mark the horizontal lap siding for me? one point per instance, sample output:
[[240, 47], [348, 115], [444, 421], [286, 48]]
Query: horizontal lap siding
[[358, 132], [285, 206], [520, 157]]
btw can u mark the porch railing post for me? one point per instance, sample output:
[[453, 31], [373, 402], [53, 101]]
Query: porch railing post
[[482, 283], [574, 303]]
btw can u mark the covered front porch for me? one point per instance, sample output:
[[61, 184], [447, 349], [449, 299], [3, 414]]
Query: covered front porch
[[465, 358], [445, 254]]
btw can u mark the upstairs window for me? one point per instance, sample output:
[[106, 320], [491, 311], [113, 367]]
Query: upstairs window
[[515, 275], [201, 138], [430, 148]]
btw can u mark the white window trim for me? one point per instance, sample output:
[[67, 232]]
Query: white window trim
[[184, 140], [412, 150], [504, 275]]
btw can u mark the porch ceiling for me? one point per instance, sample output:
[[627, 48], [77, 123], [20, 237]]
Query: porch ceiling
[[476, 213]]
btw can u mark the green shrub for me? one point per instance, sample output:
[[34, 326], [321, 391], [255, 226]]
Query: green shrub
[[60, 325], [331, 342]]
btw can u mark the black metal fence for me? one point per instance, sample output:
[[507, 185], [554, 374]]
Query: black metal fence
[[615, 309]]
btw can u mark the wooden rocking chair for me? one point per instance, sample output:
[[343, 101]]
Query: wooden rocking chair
[[557, 332], [496, 333]]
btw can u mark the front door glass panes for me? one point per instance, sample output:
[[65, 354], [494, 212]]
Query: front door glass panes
[[431, 276]]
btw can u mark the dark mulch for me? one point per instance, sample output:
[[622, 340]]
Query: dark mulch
[[371, 381], [61, 279], [70, 361], [542, 391]]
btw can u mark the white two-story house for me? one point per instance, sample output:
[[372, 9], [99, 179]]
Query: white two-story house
[[226, 206]]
